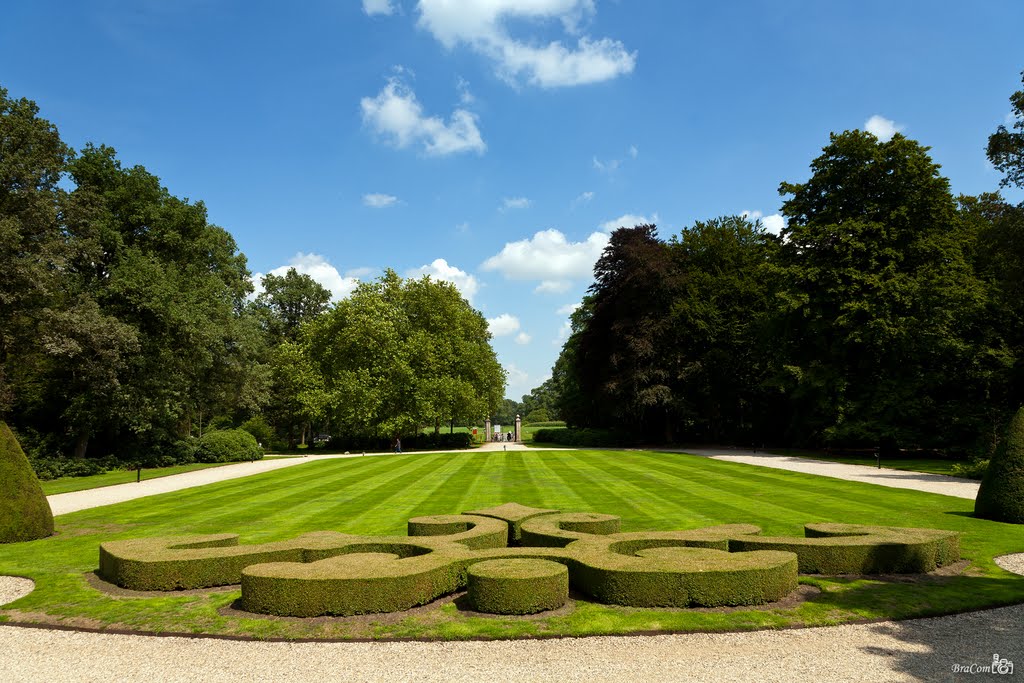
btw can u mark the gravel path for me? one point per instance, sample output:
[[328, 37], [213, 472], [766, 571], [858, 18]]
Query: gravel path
[[899, 479], [919, 650]]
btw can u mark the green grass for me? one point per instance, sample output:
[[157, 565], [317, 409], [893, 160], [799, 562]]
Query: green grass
[[651, 491], [928, 465]]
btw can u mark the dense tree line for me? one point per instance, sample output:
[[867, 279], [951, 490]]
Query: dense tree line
[[127, 325], [887, 313]]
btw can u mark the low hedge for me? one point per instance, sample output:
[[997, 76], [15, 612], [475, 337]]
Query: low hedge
[[329, 573], [514, 515], [228, 445], [858, 549], [517, 586], [583, 437]]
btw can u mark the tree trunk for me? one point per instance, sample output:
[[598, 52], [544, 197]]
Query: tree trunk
[[437, 426], [81, 444]]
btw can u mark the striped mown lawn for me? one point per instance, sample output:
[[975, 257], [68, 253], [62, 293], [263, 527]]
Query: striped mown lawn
[[376, 495]]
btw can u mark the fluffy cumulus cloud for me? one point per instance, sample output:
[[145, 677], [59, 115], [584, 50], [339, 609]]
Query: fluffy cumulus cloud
[[378, 201], [548, 256], [515, 203], [773, 223], [628, 220], [372, 7], [882, 128], [396, 115], [553, 287], [483, 26], [523, 339], [439, 269], [503, 325], [318, 268]]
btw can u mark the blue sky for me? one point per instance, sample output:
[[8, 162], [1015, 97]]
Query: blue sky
[[494, 143]]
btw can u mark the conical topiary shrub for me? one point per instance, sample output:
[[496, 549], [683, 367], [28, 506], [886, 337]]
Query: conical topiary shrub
[[1001, 496], [24, 512]]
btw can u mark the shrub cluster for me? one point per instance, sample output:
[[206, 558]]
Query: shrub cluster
[[571, 436], [417, 442], [228, 445]]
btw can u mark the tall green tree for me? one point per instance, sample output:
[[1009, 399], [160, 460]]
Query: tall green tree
[[880, 305], [1006, 145], [32, 248], [617, 352], [722, 359], [399, 354], [287, 301]]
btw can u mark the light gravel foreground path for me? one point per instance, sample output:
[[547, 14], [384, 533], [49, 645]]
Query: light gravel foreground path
[[922, 650], [899, 479]]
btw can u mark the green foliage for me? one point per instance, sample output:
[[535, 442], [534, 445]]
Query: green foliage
[[229, 445], [972, 469], [288, 301], [401, 353], [24, 512], [260, 430], [1006, 147], [1001, 495], [569, 436], [517, 586], [538, 415]]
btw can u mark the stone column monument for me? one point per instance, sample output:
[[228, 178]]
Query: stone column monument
[[519, 430], [487, 430]]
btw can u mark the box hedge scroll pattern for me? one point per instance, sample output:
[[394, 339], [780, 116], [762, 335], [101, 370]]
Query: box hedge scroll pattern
[[331, 573]]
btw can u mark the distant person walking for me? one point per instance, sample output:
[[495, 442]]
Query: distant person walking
[[398, 445]]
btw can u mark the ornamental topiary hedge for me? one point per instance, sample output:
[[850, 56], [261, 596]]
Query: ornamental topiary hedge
[[329, 573], [517, 586], [25, 514], [1001, 495], [228, 445]]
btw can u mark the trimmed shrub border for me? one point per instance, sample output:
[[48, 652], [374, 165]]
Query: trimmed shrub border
[[331, 573]]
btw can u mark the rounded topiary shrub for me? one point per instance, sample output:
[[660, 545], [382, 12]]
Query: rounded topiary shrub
[[1001, 496], [25, 514], [228, 445], [517, 586]]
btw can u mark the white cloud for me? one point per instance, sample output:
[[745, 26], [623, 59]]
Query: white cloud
[[607, 166], [548, 256], [503, 325], [439, 269], [523, 339], [633, 151], [628, 220], [397, 115], [583, 198], [515, 203], [465, 96], [751, 215], [372, 7], [481, 26], [518, 381], [378, 201], [774, 223], [553, 287], [568, 309], [882, 128], [563, 333], [318, 268]]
